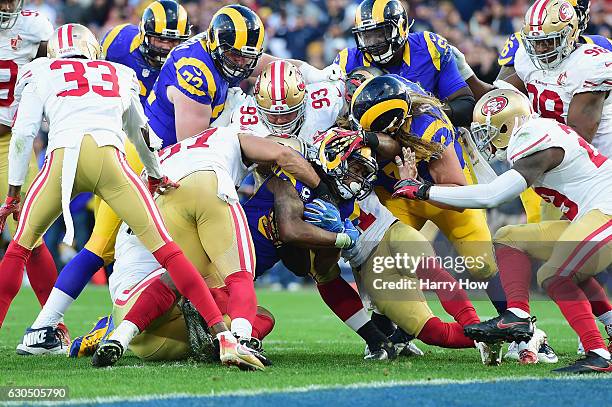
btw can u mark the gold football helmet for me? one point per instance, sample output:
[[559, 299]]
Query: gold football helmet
[[73, 40], [497, 115], [280, 95], [550, 32]]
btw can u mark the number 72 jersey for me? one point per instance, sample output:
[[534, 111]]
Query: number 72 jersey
[[587, 69]]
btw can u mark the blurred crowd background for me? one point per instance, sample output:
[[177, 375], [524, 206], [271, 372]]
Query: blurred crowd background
[[315, 30]]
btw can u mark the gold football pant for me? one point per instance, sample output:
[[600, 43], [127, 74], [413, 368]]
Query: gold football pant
[[5, 141], [103, 171], [395, 291], [213, 234], [579, 249], [102, 239], [467, 231]]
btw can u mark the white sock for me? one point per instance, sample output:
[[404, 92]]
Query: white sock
[[242, 328], [357, 320], [519, 312], [52, 312], [605, 318], [602, 352], [124, 333]]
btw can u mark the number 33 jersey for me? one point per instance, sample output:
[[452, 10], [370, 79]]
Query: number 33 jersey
[[583, 180], [324, 102], [587, 69], [18, 46]]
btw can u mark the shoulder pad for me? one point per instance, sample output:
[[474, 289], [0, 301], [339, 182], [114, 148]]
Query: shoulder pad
[[437, 46], [530, 138], [506, 55], [121, 40], [35, 26]]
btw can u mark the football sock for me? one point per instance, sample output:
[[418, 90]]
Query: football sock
[[242, 302], [156, 299], [604, 353], [124, 333], [11, 275], [41, 272], [515, 273], [597, 297], [519, 312], [577, 311], [188, 282], [495, 291], [454, 301], [383, 323], [77, 273], [221, 297], [372, 335], [53, 311], [262, 326], [444, 334]]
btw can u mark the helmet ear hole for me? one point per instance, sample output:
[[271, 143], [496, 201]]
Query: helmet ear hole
[[503, 129]]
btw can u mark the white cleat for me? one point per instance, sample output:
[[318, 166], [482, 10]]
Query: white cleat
[[232, 353], [42, 341], [513, 352], [490, 353]]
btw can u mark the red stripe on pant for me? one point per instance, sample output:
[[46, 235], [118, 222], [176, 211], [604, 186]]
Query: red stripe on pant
[[239, 241], [245, 227]]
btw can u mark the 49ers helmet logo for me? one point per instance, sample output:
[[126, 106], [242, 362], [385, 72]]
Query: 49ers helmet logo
[[566, 12], [494, 105]]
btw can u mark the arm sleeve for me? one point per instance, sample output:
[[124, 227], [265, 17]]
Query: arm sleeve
[[505, 187], [25, 129]]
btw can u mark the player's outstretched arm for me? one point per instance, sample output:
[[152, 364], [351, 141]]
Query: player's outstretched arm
[[584, 114]]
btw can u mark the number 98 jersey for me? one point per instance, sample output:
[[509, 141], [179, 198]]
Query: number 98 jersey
[[551, 91], [18, 46]]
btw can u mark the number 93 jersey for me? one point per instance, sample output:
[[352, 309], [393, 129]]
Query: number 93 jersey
[[18, 46], [324, 102], [587, 69], [190, 69]]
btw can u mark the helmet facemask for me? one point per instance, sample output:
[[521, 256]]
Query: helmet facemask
[[381, 41], [356, 176], [293, 118], [235, 65], [156, 56], [9, 12], [557, 46]]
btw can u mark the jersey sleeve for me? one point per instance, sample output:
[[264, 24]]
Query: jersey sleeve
[[37, 27], [508, 52], [521, 63], [195, 80], [596, 72], [111, 43], [450, 80], [532, 137], [433, 127], [349, 59], [27, 74], [598, 40]]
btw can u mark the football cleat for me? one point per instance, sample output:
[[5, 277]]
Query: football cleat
[[200, 340], [590, 363], [86, 345], [546, 354], [528, 357], [108, 353], [402, 341], [232, 353], [609, 331], [513, 352], [65, 334], [490, 353], [256, 348], [505, 327], [386, 351], [42, 341]]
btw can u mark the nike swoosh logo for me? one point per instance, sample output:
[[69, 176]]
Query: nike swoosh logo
[[600, 369], [502, 325], [608, 64]]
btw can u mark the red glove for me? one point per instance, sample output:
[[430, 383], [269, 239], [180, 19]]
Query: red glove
[[161, 185], [11, 205], [412, 189]]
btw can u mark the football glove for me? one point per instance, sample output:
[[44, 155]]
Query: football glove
[[161, 185], [349, 236], [465, 70], [313, 75], [323, 214], [412, 189], [10, 206]]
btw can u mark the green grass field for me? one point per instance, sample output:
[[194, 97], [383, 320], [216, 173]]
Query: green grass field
[[309, 346]]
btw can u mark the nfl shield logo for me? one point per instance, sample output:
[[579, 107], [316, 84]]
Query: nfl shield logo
[[145, 73], [16, 43]]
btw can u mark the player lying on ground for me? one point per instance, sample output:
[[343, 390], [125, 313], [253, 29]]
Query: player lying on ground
[[565, 170]]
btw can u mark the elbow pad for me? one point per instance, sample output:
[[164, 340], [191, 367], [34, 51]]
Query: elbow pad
[[461, 110]]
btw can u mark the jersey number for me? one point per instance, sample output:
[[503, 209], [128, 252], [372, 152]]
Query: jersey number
[[12, 69], [248, 115], [567, 206], [596, 158], [77, 74], [201, 141], [319, 99], [539, 103]]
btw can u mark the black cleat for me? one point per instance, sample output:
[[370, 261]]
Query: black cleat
[[256, 348], [506, 327], [42, 341], [402, 341], [108, 353], [590, 363], [386, 351]]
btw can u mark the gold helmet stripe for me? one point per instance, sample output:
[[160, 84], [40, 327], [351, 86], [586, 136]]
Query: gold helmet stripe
[[378, 10], [181, 24], [159, 12], [240, 27], [380, 108]]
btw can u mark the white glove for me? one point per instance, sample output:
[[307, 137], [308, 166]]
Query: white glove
[[313, 75], [464, 68]]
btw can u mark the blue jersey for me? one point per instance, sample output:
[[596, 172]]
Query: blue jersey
[[190, 69], [122, 45], [506, 55], [427, 60]]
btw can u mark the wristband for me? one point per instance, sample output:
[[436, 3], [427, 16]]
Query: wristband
[[342, 240]]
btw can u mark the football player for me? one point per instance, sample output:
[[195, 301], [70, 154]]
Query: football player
[[210, 166], [383, 40], [563, 168], [25, 34], [192, 87], [87, 103], [164, 24]]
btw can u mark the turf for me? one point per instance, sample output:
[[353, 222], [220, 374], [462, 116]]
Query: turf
[[309, 346]]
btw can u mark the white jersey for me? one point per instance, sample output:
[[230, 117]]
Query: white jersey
[[18, 46], [133, 264], [587, 69], [324, 102], [583, 180], [374, 219], [215, 149]]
